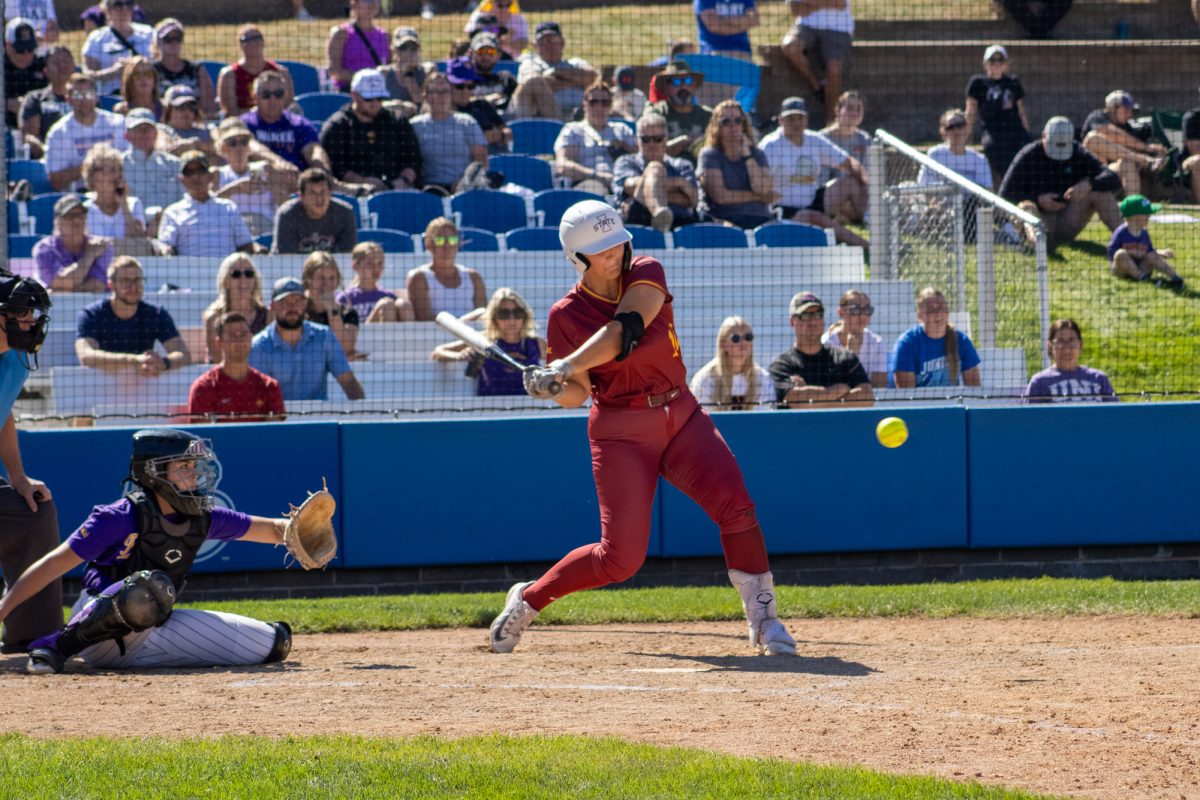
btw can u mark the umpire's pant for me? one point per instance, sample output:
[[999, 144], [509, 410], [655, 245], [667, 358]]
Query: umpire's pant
[[26, 536]]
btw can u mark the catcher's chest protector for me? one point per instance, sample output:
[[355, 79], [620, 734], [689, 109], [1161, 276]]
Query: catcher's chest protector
[[167, 546]]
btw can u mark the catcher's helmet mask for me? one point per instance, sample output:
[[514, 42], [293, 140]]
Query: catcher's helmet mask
[[154, 449], [18, 297]]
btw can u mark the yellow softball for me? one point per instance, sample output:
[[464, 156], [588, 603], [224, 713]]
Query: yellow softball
[[891, 432]]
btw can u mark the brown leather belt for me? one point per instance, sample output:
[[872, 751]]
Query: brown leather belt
[[646, 400]]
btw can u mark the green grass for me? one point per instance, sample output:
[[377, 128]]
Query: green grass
[[426, 767], [999, 598]]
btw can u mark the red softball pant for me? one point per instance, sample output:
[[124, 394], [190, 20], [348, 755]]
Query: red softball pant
[[630, 448]]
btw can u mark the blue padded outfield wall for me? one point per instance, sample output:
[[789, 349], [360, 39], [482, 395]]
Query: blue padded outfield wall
[[461, 491]]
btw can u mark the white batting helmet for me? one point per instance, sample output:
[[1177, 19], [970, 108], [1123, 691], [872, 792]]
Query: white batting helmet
[[590, 227]]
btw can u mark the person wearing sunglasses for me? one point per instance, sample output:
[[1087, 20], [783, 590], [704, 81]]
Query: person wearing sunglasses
[[724, 27], [175, 70], [24, 68], [998, 100], [239, 289], [813, 374], [257, 188], [201, 224], [687, 120], [851, 332], [139, 87], [585, 151], [235, 83], [73, 135], [108, 48], [653, 188], [404, 75], [549, 84], [508, 322], [954, 154], [442, 284], [733, 381], [454, 150], [507, 17], [463, 81], [232, 390], [369, 144], [735, 177], [496, 88]]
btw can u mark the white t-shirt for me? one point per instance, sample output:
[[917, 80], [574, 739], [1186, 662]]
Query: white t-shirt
[[101, 224], [107, 49], [830, 19], [68, 141], [704, 384], [36, 11], [211, 228], [971, 165], [260, 203], [798, 171], [874, 353]]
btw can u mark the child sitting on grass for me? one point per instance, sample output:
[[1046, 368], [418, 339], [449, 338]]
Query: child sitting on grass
[[1131, 253]]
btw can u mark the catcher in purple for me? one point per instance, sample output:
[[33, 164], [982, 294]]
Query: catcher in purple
[[139, 551]]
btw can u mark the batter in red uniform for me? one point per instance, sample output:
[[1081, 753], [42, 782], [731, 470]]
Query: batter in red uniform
[[613, 338]]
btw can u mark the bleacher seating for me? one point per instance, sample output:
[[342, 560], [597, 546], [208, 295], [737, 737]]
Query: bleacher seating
[[745, 75], [21, 245], [265, 239], [534, 137], [213, 68], [645, 238], [352, 201], [392, 241], [543, 239], [41, 209], [320, 106], [550, 204], [477, 240], [25, 169], [497, 212], [707, 235], [792, 234], [532, 173], [305, 77], [410, 212]]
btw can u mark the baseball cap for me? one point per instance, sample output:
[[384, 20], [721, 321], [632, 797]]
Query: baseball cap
[[460, 71], [1136, 204], [193, 157], [179, 95], [404, 35], [1120, 97], [285, 286], [166, 28], [482, 40], [805, 301], [93, 14], [66, 204], [624, 78], [139, 116], [20, 33], [547, 28], [995, 50], [489, 23], [793, 105], [369, 85], [1059, 138]]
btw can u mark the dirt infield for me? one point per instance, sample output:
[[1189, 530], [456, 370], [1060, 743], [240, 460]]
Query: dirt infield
[[1090, 707]]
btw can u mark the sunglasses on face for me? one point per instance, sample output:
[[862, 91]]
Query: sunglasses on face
[[442, 241], [238, 141], [730, 121], [859, 310], [956, 126], [510, 313], [241, 273], [192, 172], [997, 60], [271, 94], [738, 338], [653, 139], [684, 81], [85, 94], [809, 316], [487, 51], [250, 38], [172, 39]]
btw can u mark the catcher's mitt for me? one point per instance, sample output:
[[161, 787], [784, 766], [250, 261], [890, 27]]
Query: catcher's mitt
[[309, 535]]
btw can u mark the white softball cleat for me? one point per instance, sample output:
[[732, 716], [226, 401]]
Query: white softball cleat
[[513, 620], [767, 634]]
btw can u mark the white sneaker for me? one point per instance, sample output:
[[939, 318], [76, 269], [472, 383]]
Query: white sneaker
[[513, 620], [767, 634]]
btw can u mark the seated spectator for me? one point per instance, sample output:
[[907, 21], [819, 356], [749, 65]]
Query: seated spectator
[[365, 296], [113, 212], [175, 70], [954, 154], [628, 101], [799, 160], [687, 120], [734, 174], [846, 134], [152, 175], [235, 90], [119, 334], [443, 285], [585, 151], [300, 354], [1109, 135], [496, 88], [183, 125], [675, 48], [1191, 146], [370, 145], [200, 224], [139, 87], [69, 260], [322, 281], [825, 27], [41, 108], [1040, 17], [733, 380], [356, 44], [652, 187], [40, 14], [315, 220], [814, 374], [282, 137], [723, 28], [24, 69], [258, 188], [549, 85], [1131, 253], [239, 290], [506, 15], [998, 99], [933, 353], [233, 391], [1067, 379], [404, 76], [70, 139], [93, 17], [1062, 183], [852, 333], [108, 48], [490, 23], [453, 147], [508, 322], [463, 80]]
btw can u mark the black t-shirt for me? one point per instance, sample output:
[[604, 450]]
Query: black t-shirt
[[349, 316], [381, 148], [49, 106], [827, 367], [188, 76], [998, 106], [1098, 119], [1191, 125], [1033, 173], [20, 82], [501, 83]]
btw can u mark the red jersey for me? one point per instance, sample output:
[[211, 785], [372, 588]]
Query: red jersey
[[243, 80], [655, 365], [214, 392]]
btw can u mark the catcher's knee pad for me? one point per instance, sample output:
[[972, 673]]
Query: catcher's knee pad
[[283, 643], [143, 600]]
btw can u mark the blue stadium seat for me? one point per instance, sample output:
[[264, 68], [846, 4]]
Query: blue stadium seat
[[532, 173], [107, 101], [477, 240], [266, 240], [22, 246], [491, 210], [404, 211], [351, 201], [534, 137], [790, 234], [708, 234], [320, 106], [305, 77], [213, 68], [553, 202], [532, 239], [41, 208], [647, 238], [746, 75], [32, 171], [392, 241], [14, 217]]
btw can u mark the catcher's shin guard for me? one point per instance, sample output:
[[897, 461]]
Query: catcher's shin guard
[[141, 601], [767, 633], [283, 643]]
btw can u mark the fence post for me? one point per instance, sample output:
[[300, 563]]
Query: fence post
[[985, 245], [882, 265], [1043, 274]]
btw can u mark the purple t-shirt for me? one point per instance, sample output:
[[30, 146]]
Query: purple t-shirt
[[1121, 237], [362, 300], [1055, 386], [109, 534], [498, 378], [286, 137], [50, 257]]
